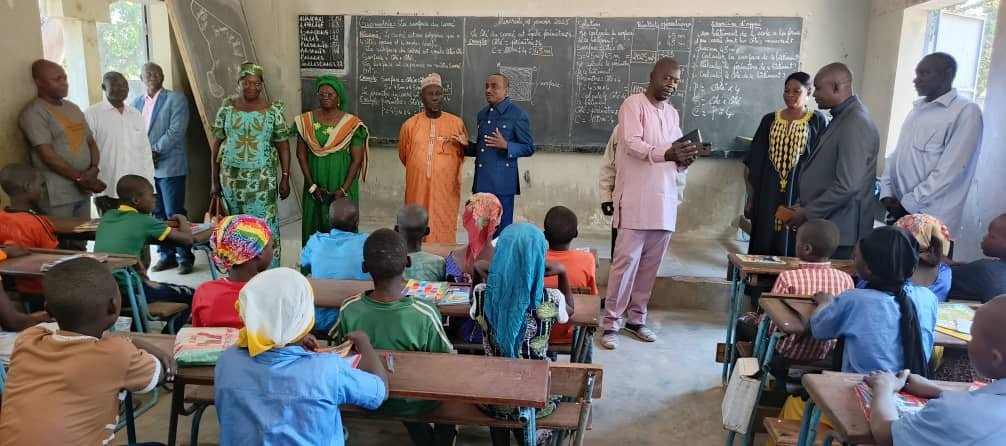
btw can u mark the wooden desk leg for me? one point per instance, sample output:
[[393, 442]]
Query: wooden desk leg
[[177, 402], [737, 285], [130, 419], [808, 426], [528, 420]]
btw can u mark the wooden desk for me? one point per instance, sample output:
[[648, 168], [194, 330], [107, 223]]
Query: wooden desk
[[786, 313], [70, 228], [738, 271], [517, 382], [31, 264], [331, 293], [833, 395]]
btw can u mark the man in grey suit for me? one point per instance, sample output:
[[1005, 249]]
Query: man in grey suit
[[838, 177]]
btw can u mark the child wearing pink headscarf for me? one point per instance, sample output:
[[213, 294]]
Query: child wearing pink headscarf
[[481, 218]]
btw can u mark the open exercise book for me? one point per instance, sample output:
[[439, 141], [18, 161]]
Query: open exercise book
[[764, 260], [346, 351], [439, 293], [905, 402], [202, 346], [955, 320]]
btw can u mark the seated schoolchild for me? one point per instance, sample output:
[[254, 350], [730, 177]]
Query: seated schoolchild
[[414, 224], [271, 389], [396, 322], [337, 254], [481, 218], [64, 385], [242, 247], [976, 418], [580, 266], [986, 278], [20, 222]]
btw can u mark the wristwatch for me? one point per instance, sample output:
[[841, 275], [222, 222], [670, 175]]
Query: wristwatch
[[313, 188]]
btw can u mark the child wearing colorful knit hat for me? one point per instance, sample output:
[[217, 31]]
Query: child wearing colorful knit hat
[[242, 247]]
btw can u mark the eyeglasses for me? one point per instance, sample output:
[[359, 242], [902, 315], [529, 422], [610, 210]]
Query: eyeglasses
[[328, 95]]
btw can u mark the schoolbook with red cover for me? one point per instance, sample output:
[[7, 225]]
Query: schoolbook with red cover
[[905, 402]]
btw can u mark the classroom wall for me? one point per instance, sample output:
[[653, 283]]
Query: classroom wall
[[21, 44], [833, 31], [985, 200]]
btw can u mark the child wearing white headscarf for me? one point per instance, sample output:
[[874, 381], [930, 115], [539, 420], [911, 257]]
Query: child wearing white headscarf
[[272, 390]]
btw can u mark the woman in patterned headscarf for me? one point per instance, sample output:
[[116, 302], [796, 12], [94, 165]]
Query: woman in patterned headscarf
[[784, 138], [332, 152], [251, 139]]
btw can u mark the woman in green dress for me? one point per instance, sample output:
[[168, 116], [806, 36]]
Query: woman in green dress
[[332, 152], [251, 139]]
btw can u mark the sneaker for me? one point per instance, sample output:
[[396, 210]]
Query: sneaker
[[609, 340], [185, 268], [164, 265], [642, 332]]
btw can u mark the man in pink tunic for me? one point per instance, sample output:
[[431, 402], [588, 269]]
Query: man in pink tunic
[[645, 199]]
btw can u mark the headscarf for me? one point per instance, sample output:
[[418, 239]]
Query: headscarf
[[431, 79], [516, 283], [250, 69], [277, 308], [237, 239], [892, 255], [925, 228], [336, 84], [481, 217]]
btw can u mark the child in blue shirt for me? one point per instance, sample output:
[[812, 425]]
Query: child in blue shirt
[[271, 388], [888, 325], [976, 418], [335, 255]]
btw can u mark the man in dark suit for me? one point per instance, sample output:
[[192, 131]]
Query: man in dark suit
[[166, 114], [837, 181], [504, 134]]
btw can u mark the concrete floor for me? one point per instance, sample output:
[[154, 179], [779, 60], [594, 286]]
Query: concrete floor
[[666, 393]]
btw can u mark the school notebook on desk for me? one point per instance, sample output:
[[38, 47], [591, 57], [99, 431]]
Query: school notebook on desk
[[906, 403], [438, 293], [764, 260], [50, 265], [955, 320], [345, 350], [195, 346]]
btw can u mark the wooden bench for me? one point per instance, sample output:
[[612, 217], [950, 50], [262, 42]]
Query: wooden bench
[[579, 384]]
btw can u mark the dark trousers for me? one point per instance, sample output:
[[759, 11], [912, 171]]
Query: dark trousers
[[171, 201], [843, 253], [507, 218], [424, 434]]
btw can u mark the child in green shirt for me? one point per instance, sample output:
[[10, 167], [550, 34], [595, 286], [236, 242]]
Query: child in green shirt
[[128, 228], [414, 225], [396, 322]]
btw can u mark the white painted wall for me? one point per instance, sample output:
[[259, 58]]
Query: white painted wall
[[20, 44]]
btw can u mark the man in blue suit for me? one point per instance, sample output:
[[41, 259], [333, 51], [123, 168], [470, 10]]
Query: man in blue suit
[[166, 114], [504, 134]]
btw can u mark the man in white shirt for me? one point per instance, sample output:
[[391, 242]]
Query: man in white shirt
[[932, 166], [121, 134]]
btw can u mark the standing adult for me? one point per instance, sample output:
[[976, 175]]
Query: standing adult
[[431, 146], [166, 117], [120, 134], [63, 147], [251, 139], [504, 134], [932, 166], [332, 153], [645, 201], [784, 139], [837, 178]]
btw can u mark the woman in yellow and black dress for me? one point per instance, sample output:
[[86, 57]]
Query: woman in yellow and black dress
[[785, 138]]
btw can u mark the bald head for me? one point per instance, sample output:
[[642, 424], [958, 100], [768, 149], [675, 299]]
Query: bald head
[[832, 85], [344, 215], [50, 80], [664, 79], [987, 348], [116, 87]]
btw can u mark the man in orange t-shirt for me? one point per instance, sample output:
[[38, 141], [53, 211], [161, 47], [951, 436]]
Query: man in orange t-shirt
[[581, 267]]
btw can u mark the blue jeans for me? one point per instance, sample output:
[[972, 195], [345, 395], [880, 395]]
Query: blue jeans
[[171, 201]]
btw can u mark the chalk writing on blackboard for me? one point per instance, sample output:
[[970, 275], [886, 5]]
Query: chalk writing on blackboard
[[322, 40]]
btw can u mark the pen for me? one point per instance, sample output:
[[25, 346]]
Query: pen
[[390, 359]]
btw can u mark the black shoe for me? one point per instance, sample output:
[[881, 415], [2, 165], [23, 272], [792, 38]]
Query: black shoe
[[185, 268], [164, 265]]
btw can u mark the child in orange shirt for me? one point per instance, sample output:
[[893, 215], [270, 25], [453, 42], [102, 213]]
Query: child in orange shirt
[[581, 267], [20, 224]]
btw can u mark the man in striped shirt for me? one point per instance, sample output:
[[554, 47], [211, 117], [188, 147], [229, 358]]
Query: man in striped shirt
[[816, 241]]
